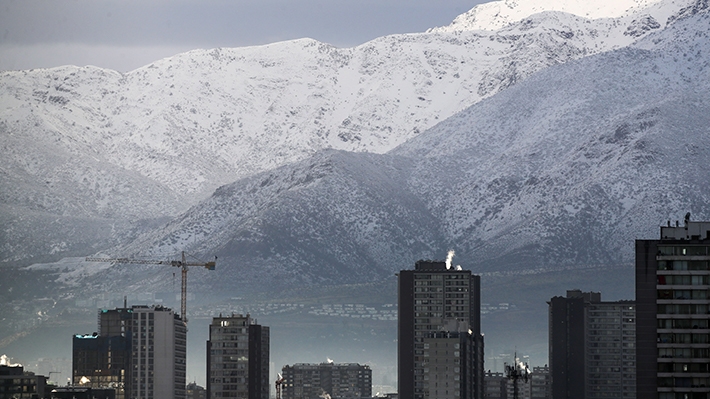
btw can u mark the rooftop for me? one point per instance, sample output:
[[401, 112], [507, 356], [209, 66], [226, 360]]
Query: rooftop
[[697, 231]]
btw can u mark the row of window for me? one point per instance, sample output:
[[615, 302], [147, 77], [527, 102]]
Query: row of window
[[228, 337], [224, 359], [683, 382], [683, 294], [609, 369], [693, 308], [697, 353], [694, 250], [451, 276], [664, 279], [683, 395], [439, 282], [229, 330], [683, 338], [682, 323], [682, 265], [683, 368], [229, 351]]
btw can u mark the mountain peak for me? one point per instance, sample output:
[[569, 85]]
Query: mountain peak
[[498, 14]]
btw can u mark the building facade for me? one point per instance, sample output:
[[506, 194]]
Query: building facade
[[238, 358], [100, 361], [140, 351], [338, 380], [495, 385], [592, 347], [673, 303], [440, 345], [540, 383], [159, 353], [536, 386], [194, 391], [16, 383]]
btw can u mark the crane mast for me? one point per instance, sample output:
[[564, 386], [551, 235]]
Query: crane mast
[[182, 264]]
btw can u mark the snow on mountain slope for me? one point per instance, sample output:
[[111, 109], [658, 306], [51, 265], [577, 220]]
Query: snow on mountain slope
[[336, 216], [498, 14], [571, 165], [562, 171], [152, 142]]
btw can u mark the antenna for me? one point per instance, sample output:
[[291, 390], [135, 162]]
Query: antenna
[[515, 372]]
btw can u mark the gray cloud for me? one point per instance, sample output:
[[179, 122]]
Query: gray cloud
[[36, 30]]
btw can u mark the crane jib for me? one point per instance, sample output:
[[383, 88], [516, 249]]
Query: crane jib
[[176, 263]]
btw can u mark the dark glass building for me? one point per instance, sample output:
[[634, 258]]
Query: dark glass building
[[100, 361], [440, 345], [673, 305], [591, 348], [238, 358]]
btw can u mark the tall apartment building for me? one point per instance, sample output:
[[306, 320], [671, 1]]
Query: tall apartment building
[[540, 383], [140, 351], [337, 380], [592, 347], [673, 303], [495, 385], [440, 345], [238, 358]]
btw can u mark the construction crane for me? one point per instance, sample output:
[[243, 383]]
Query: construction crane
[[182, 264]]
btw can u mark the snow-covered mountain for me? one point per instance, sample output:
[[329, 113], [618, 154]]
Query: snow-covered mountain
[[573, 164], [561, 171], [498, 14], [567, 154], [92, 156]]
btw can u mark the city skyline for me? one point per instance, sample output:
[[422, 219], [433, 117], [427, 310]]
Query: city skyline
[[538, 141]]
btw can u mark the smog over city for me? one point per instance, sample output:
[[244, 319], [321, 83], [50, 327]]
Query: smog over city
[[304, 175]]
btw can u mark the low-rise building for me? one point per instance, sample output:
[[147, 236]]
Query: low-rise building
[[339, 381]]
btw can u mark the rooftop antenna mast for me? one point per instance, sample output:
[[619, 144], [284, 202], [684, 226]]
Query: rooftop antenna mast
[[517, 371]]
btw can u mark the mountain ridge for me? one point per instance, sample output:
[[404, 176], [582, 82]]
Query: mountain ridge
[[565, 182], [540, 187], [183, 126]]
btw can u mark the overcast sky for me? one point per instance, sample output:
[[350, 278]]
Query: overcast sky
[[126, 34]]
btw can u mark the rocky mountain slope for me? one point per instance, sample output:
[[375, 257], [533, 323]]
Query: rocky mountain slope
[[609, 149], [540, 187], [92, 156], [559, 172]]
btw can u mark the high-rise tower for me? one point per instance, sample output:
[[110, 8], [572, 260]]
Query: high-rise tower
[[673, 303], [592, 354], [140, 351], [440, 345], [238, 358]]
